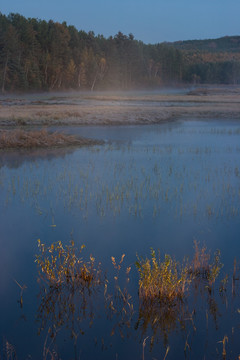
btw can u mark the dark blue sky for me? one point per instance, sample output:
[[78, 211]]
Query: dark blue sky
[[151, 21]]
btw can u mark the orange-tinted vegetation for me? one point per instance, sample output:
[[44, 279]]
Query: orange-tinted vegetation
[[22, 139]]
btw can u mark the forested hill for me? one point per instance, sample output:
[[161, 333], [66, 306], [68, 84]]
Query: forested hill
[[223, 44], [37, 55], [211, 60]]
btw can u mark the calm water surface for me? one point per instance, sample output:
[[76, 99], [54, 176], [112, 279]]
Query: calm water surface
[[158, 186]]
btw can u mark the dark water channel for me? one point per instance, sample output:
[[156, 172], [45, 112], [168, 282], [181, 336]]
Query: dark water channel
[[159, 186]]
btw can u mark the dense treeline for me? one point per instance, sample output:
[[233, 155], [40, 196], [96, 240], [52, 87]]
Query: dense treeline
[[223, 44], [40, 55], [212, 60]]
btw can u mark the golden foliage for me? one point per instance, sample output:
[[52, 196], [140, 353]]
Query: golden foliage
[[165, 280], [60, 265]]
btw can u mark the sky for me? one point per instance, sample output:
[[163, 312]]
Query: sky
[[151, 21]]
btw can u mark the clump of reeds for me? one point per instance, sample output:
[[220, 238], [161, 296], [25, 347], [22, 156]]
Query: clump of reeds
[[22, 139], [165, 280], [201, 266], [61, 265], [70, 283]]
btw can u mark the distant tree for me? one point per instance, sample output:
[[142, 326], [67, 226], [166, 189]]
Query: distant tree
[[10, 59]]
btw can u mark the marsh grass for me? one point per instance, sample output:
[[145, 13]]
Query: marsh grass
[[59, 265], [75, 290], [70, 284], [117, 111], [125, 186], [202, 268], [117, 298], [165, 280], [22, 139], [164, 287], [9, 351]]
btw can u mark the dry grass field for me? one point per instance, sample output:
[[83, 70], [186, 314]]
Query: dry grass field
[[21, 139], [114, 109], [18, 113]]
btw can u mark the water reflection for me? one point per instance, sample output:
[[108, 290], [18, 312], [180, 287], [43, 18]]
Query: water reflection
[[159, 189], [162, 319], [75, 295], [109, 186], [70, 285], [75, 292], [14, 159]]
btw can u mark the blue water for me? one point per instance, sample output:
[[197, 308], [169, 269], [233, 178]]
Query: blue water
[[160, 186]]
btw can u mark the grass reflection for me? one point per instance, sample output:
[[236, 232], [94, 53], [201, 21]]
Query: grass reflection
[[191, 183], [76, 295], [75, 292], [69, 285]]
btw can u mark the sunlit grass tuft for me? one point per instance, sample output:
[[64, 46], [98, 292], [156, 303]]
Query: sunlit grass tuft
[[165, 280], [168, 281]]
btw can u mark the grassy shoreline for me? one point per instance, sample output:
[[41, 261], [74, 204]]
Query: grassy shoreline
[[21, 139], [118, 109]]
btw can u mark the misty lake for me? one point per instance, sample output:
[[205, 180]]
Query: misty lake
[[155, 186]]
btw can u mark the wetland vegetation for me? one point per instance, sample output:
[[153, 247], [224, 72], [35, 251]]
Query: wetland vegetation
[[171, 187], [21, 139], [119, 108], [76, 293]]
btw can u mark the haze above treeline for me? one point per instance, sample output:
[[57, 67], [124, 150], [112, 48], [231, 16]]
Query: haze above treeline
[[36, 55]]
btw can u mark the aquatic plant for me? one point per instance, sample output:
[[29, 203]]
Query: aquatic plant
[[163, 288], [118, 301], [201, 266], [9, 351], [69, 283], [59, 265], [22, 287], [75, 293], [166, 280]]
